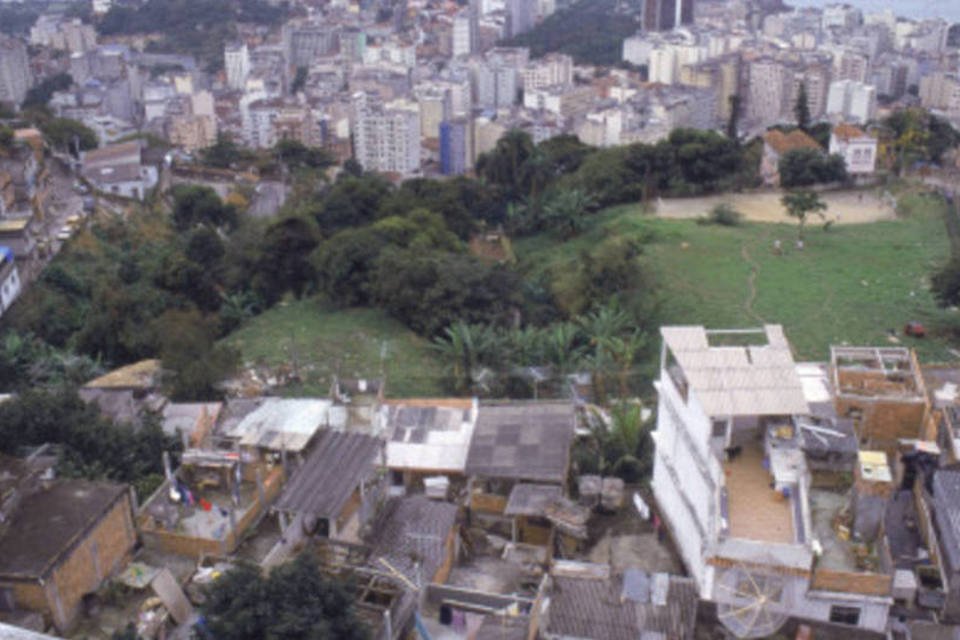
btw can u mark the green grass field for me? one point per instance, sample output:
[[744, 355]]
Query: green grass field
[[849, 285], [353, 339]]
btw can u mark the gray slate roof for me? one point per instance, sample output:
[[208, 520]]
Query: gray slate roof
[[597, 609], [946, 500], [522, 441], [328, 477], [408, 528]]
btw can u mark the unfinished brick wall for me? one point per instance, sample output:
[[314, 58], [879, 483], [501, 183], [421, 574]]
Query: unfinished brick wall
[[488, 503], [102, 553], [450, 557], [884, 421], [869, 584], [183, 545]]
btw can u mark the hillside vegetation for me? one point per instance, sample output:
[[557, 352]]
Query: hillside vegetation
[[592, 31], [850, 284]]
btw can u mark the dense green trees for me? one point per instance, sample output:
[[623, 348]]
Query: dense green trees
[[131, 289], [193, 362], [806, 167], [65, 134], [592, 31], [295, 600], [87, 444], [429, 290], [200, 205], [39, 95], [197, 27], [916, 136], [688, 162], [801, 108]]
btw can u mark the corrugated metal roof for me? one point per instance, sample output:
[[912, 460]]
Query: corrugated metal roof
[[946, 499], [592, 608], [738, 380], [428, 438], [328, 477], [409, 529], [523, 441], [282, 423], [531, 499]]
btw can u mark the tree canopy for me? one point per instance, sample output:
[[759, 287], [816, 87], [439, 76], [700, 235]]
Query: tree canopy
[[88, 445], [294, 601], [807, 167]]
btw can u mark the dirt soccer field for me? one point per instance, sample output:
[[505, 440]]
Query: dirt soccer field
[[843, 207]]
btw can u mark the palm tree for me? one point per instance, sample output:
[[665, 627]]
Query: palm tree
[[801, 203], [568, 209], [623, 442], [467, 348], [560, 347], [525, 346], [604, 322], [623, 350]]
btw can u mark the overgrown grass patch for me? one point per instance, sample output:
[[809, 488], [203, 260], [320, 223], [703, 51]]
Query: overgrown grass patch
[[355, 342]]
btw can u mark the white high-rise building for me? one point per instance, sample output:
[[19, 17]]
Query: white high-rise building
[[236, 60], [15, 78], [733, 483], [495, 86], [553, 69], [464, 34], [851, 101], [387, 138]]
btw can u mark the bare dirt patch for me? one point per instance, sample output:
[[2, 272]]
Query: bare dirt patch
[[843, 207]]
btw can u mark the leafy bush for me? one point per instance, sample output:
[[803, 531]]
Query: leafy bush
[[724, 215]]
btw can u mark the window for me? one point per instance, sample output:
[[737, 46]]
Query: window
[[720, 429], [845, 615]]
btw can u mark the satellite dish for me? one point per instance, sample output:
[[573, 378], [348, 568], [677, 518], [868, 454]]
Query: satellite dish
[[752, 603]]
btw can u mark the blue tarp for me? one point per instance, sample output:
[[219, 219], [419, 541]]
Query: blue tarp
[[6, 254]]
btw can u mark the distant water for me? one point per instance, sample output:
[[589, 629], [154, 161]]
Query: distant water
[[947, 9]]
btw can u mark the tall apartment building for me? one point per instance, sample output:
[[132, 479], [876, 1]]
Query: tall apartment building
[[64, 35], [455, 147], [495, 86], [15, 77], [768, 91], [435, 107], [386, 138], [841, 16], [850, 101], [520, 16], [816, 81], [664, 15], [304, 42], [940, 91], [553, 69], [851, 65], [738, 423], [236, 59], [464, 34], [721, 74]]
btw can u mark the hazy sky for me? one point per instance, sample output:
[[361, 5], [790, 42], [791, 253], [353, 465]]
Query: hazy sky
[[947, 9]]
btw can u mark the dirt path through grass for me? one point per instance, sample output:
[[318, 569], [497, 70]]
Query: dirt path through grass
[[751, 284]]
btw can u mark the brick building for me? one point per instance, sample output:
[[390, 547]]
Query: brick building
[[62, 540]]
